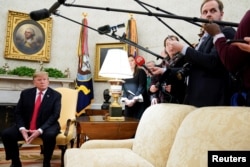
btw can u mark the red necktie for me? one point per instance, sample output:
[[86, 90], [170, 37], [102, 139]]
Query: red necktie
[[35, 112]]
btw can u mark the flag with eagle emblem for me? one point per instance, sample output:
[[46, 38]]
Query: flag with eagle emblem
[[84, 81]]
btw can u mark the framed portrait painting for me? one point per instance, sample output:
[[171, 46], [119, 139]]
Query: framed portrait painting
[[101, 51], [27, 39]]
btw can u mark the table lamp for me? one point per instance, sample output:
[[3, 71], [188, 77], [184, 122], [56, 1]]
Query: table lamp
[[116, 67]]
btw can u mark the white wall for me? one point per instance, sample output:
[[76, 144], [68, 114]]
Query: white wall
[[151, 32]]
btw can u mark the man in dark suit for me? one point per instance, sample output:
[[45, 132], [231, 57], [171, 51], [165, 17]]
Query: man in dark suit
[[46, 125], [235, 57], [208, 78]]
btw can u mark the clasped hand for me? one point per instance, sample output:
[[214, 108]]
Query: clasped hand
[[30, 135]]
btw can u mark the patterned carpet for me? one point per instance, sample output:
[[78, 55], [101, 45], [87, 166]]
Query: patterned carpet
[[30, 157]]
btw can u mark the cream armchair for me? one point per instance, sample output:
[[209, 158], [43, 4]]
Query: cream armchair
[[170, 135], [210, 129], [66, 120], [150, 147]]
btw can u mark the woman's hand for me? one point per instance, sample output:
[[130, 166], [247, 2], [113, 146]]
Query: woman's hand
[[129, 103], [168, 88]]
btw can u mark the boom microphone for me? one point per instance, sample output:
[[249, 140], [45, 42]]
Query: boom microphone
[[140, 61], [39, 14], [45, 13], [107, 29]]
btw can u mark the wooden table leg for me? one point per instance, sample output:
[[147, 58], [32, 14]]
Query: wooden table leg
[[78, 137]]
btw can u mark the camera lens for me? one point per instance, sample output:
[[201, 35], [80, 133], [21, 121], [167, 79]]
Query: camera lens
[[182, 73], [157, 85]]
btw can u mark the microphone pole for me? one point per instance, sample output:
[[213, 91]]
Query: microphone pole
[[192, 19], [141, 4], [129, 42], [159, 9], [120, 38]]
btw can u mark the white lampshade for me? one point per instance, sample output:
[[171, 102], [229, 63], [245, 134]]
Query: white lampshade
[[116, 65]]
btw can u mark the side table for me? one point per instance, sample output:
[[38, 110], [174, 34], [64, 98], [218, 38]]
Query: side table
[[89, 112], [97, 127]]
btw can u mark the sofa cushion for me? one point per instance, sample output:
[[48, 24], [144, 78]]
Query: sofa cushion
[[101, 143], [103, 158], [156, 131], [210, 128]]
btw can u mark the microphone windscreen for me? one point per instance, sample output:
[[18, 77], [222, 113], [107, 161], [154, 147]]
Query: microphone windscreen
[[139, 60], [61, 1], [104, 29], [39, 14]]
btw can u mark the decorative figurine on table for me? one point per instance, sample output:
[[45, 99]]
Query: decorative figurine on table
[[6, 68], [41, 66], [67, 73], [106, 103]]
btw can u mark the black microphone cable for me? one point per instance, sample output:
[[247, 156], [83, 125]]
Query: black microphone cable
[[142, 4], [121, 39]]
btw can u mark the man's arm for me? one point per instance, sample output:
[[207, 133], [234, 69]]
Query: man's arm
[[231, 55], [244, 46]]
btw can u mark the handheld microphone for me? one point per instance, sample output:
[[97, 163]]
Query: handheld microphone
[[45, 13], [140, 61], [107, 29]]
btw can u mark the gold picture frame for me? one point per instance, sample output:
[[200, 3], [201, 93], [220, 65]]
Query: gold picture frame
[[101, 51], [19, 27]]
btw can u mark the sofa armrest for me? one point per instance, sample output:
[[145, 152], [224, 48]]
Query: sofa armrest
[[124, 143]]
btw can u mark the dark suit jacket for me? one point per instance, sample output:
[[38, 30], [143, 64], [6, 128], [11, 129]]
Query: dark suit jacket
[[49, 111], [232, 57], [208, 77]]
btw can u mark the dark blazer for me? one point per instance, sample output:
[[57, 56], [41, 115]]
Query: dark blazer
[[137, 85], [178, 86], [208, 79], [49, 110]]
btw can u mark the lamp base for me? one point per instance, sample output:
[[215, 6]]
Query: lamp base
[[116, 118], [115, 111]]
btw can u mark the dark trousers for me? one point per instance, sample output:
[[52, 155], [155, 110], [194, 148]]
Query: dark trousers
[[135, 111], [248, 98], [12, 135]]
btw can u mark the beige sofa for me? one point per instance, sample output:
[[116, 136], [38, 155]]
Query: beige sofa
[[169, 135]]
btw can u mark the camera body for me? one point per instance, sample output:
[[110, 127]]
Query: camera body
[[184, 71], [161, 86]]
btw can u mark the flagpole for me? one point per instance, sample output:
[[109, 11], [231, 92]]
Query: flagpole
[[192, 19], [113, 35]]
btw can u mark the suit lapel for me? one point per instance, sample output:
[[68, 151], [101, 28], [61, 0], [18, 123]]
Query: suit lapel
[[204, 43], [33, 97], [46, 97], [45, 101]]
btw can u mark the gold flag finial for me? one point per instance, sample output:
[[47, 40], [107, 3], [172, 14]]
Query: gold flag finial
[[85, 14], [131, 16]]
